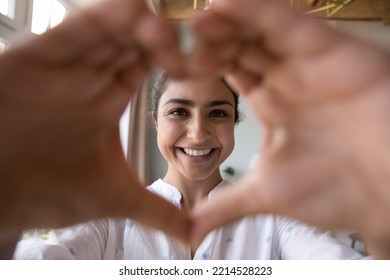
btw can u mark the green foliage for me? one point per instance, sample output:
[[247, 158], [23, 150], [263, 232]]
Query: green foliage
[[229, 171]]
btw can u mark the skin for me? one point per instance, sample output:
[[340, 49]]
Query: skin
[[196, 115], [61, 160], [321, 99]]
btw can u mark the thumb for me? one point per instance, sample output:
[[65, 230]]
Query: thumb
[[158, 213], [238, 201], [141, 205]]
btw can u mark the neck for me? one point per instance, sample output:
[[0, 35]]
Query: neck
[[193, 191]]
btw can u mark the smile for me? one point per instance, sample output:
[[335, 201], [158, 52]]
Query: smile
[[196, 152]]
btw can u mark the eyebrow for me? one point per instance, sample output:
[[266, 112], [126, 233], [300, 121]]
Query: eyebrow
[[192, 104]]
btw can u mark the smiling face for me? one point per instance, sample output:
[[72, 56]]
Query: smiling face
[[195, 128]]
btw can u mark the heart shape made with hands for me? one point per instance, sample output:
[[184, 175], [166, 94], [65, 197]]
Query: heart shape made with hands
[[318, 95]]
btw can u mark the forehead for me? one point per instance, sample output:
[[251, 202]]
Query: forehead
[[198, 91]]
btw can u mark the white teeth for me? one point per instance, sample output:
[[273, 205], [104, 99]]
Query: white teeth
[[197, 153]]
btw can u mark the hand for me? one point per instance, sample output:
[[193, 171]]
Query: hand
[[322, 101], [61, 97]]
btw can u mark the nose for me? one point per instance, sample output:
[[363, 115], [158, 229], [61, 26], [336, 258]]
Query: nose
[[198, 129]]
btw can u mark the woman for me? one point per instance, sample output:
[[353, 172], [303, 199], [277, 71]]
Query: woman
[[195, 133]]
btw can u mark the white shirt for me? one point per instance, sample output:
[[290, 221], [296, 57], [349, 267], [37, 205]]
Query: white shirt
[[259, 237]]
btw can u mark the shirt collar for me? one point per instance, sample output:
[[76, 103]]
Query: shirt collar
[[173, 195]]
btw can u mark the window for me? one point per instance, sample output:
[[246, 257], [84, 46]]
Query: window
[[7, 8], [47, 14], [9, 14], [31, 16], [3, 46]]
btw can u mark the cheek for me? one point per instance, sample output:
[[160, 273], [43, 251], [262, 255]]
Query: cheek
[[163, 144], [167, 134], [226, 138]]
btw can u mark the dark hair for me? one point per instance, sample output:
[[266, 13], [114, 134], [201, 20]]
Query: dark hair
[[160, 84]]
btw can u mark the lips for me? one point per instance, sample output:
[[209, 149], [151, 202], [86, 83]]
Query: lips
[[197, 152]]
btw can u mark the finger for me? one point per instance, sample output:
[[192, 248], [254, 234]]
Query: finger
[[119, 28], [138, 27], [68, 42], [213, 26], [226, 207], [243, 81], [250, 68], [137, 203], [110, 105], [134, 78], [378, 245], [116, 83], [101, 55], [209, 57], [111, 57], [254, 59], [217, 44], [161, 41], [270, 109], [158, 213], [282, 28]]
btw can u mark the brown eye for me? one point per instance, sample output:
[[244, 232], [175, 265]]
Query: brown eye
[[178, 112], [218, 114]]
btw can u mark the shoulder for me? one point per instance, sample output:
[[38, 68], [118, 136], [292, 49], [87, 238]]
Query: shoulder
[[156, 186]]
